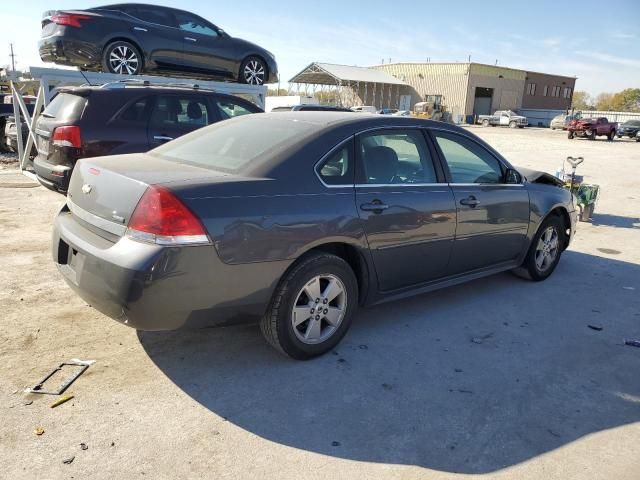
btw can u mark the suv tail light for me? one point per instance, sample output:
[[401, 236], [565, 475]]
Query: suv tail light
[[68, 136], [69, 19], [161, 218]]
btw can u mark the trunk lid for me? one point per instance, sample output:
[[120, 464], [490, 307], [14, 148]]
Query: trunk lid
[[104, 191]]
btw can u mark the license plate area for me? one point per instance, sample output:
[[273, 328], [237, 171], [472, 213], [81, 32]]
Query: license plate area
[[42, 145]]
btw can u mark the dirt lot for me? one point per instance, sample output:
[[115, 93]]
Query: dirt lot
[[406, 395]]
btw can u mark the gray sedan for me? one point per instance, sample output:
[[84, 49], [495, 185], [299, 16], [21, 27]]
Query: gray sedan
[[296, 219]]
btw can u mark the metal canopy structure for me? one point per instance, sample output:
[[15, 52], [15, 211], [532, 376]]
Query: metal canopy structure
[[352, 85], [57, 77]]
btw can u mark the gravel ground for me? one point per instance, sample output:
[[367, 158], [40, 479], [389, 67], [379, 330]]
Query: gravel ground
[[408, 394]]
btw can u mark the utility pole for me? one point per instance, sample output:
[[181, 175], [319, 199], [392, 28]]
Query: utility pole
[[13, 58]]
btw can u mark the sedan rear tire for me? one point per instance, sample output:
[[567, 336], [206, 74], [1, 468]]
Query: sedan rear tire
[[253, 71], [123, 58], [545, 250], [312, 307]]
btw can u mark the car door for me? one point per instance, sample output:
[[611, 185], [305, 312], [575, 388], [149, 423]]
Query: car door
[[407, 209], [493, 215], [173, 115], [157, 33], [504, 118], [127, 131], [205, 49]]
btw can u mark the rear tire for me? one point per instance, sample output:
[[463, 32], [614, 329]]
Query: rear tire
[[253, 71], [545, 250], [303, 327], [485, 123], [512, 125], [592, 135], [611, 136], [570, 136], [122, 58]]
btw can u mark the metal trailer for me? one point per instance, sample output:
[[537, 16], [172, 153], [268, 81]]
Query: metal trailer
[[48, 78]]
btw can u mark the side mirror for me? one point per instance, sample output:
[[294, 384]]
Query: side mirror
[[512, 177]]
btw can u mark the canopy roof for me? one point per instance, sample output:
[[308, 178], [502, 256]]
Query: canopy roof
[[330, 74]]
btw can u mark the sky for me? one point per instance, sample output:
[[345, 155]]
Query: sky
[[599, 42]]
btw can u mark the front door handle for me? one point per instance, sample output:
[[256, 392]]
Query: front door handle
[[162, 138], [375, 206], [191, 39], [471, 201]]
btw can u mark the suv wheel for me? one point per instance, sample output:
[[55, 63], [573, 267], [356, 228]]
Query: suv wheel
[[253, 71], [512, 125], [312, 308], [122, 58], [545, 250]]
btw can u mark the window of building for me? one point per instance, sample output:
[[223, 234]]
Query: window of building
[[531, 89], [567, 92], [556, 91], [545, 92]]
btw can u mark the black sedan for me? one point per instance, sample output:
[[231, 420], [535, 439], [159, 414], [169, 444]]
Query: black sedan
[[132, 38], [296, 219], [630, 129]]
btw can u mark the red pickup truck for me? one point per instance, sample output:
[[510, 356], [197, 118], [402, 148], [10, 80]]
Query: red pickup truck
[[592, 128]]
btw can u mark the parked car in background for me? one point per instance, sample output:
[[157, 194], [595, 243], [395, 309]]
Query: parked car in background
[[561, 122], [83, 122], [505, 118], [402, 113], [134, 38], [311, 108], [365, 109], [592, 128], [630, 129], [638, 136], [295, 219], [387, 111]]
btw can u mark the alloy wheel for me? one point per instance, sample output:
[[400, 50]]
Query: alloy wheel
[[547, 249], [319, 309], [123, 60], [254, 72]]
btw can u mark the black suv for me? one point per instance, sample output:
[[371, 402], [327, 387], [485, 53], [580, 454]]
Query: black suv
[[134, 38], [119, 118]]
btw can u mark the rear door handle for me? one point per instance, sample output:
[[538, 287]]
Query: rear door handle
[[191, 39], [470, 201], [162, 138], [376, 207], [140, 29]]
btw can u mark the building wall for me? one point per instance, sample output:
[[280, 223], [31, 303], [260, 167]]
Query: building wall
[[446, 79], [507, 85], [548, 101]]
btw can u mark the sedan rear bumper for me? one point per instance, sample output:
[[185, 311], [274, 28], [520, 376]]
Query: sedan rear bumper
[[150, 287], [65, 50]]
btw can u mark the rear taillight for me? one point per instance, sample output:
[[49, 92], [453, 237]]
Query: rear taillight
[[161, 218], [68, 136], [69, 19]]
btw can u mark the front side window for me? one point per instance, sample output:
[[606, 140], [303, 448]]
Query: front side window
[[467, 161], [229, 108], [192, 24], [395, 157], [338, 169]]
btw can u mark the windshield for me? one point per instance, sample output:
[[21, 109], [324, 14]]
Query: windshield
[[230, 146], [510, 113]]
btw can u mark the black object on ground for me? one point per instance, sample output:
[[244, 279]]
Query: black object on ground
[[38, 388]]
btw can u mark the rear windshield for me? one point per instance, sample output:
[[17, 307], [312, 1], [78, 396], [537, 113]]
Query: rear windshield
[[65, 107], [230, 146]]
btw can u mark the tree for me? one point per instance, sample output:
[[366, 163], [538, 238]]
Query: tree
[[604, 102], [628, 100], [582, 101]]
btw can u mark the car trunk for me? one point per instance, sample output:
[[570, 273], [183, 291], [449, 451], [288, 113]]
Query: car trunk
[[104, 191]]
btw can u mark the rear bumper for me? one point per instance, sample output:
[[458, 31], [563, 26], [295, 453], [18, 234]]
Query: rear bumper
[[54, 177], [149, 287], [63, 49]]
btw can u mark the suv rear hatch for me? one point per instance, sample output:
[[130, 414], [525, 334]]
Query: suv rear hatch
[[58, 145]]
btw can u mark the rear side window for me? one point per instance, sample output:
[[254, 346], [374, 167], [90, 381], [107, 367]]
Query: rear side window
[[152, 15], [188, 112], [338, 169], [136, 112], [65, 107]]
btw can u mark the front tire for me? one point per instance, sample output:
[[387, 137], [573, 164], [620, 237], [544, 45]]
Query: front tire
[[545, 250], [122, 58], [570, 136], [611, 136], [485, 123], [512, 125], [312, 307], [253, 71]]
